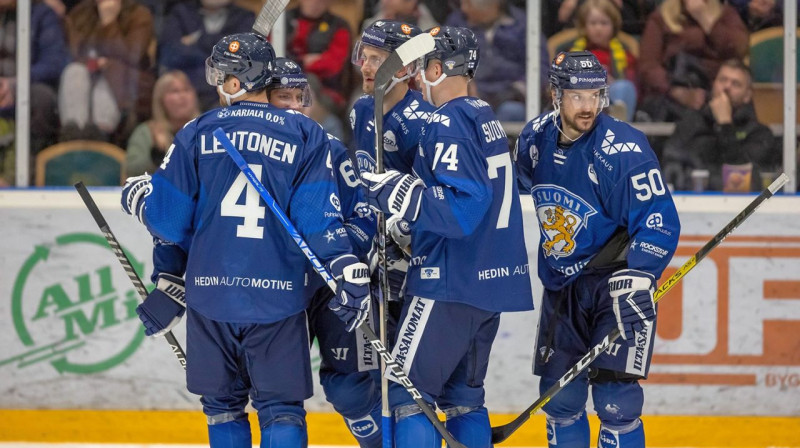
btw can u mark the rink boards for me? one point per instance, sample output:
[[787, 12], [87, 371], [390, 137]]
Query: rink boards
[[728, 339]]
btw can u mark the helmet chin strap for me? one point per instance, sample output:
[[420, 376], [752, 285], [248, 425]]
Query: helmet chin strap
[[228, 97], [396, 81], [429, 84], [557, 109]]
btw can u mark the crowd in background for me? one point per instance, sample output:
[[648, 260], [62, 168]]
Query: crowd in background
[[132, 72]]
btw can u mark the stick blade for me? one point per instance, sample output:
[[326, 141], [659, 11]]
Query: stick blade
[[269, 14], [416, 47]]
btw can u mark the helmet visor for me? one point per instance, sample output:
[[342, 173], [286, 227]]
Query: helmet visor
[[214, 76]]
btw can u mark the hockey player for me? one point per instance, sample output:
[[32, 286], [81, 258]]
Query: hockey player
[[608, 229], [405, 113], [245, 300], [463, 210], [349, 368]]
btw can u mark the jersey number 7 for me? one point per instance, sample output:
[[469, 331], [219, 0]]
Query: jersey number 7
[[496, 161]]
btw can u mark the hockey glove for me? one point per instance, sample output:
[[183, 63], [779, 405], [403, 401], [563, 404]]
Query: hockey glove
[[400, 230], [164, 306], [133, 193], [632, 293], [396, 265], [352, 300], [394, 193]]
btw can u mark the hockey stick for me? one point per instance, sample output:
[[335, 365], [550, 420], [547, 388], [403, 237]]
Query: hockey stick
[[501, 433], [126, 263], [269, 14], [396, 61], [396, 369]]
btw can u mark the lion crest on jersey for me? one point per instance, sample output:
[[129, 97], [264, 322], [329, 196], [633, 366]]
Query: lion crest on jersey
[[562, 215]]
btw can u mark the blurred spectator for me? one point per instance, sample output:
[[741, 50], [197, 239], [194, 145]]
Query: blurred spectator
[[683, 45], [48, 56], [759, 14], [174, 104], [410, 11], [599, 23], [190, 32], [320, 42], [500, 30], [558, 15], [724, 131], [321, 110], [439, 9], [106, 91]]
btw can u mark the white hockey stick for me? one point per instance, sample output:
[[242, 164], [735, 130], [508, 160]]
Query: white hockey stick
[[407, 53], [410, 51], [269, 14]]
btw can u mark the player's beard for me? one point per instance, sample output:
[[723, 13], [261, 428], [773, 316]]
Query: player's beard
[[580, 121], [368, 87]]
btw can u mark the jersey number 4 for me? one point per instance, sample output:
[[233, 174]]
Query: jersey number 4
[[251, 210]]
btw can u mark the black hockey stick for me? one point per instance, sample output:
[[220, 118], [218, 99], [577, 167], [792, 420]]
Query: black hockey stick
[[501, 433], [396, 61], [391, 364], [126, 263]]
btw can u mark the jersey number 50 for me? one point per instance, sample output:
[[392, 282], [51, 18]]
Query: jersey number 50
[[648, 184]]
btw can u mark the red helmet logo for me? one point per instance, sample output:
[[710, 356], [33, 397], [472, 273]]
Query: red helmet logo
[[233, 47], [405, 29], [434, 31], [560, 58]]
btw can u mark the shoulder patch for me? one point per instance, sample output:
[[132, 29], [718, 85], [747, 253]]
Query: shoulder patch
[[412, 112], [609, 147], [538, 122]]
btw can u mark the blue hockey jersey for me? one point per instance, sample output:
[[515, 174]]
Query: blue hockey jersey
[[402, 127], [359, 221], [242, 264], [607, 179], [467, 241]]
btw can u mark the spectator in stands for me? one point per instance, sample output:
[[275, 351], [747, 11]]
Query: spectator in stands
[[106, 91], [558, 15], [760, 14], [599, 23], [174, 104], [409, 11], [500, 30], [320, 42], [189, 33], [682, 47], [724, 131], [48, 56]]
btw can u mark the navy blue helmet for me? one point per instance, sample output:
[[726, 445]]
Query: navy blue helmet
[[287, 74], [247, 56], [577, 70], [384, 35], [457, 48]]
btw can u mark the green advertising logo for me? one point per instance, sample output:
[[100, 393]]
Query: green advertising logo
[[82, 310]]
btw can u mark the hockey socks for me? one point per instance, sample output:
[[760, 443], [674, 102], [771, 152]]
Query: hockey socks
[[232, 434], [367, 429], [284, 432], [470, 426], [415, 431], [568, 432], [631, 437]]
